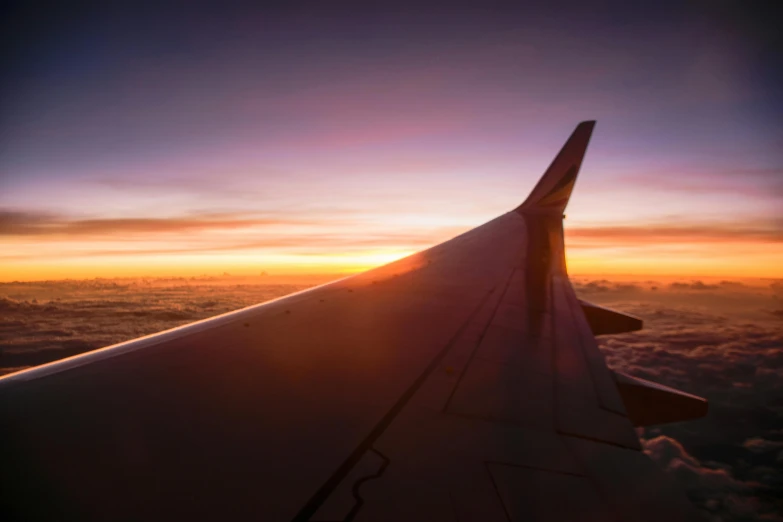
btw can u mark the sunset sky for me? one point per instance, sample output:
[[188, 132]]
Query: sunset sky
[[326, 139]]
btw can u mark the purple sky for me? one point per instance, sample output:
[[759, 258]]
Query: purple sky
[[394, 126]]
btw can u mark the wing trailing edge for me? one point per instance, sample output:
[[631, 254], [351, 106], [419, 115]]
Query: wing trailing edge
[[553, 190], [604, 321], [648, 403]]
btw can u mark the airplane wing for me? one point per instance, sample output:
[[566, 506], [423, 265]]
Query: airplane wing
[[462, 383]]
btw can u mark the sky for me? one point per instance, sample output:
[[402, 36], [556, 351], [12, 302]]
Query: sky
[[327, 138]]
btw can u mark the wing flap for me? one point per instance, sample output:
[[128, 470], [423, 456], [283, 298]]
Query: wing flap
[[605, 321], [649, 403]]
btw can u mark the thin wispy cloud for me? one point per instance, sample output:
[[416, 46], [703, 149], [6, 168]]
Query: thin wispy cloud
[[20, 223], [761, 183], [304, 244], [641, 234]]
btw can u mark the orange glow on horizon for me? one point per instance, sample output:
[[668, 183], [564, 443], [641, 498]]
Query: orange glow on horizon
[[716, 260], [319, 267]]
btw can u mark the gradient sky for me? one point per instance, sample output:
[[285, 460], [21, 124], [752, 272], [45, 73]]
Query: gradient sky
[[322, 137]]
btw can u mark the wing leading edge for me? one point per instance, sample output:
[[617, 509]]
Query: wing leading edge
[[461, 383]]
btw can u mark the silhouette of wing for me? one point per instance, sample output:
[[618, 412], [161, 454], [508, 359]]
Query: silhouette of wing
[[461, 383]]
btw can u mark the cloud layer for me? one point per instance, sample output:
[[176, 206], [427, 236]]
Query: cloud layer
[[721, 339], [42, 322]]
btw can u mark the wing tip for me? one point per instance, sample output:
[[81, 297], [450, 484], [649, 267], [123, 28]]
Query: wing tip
[[553, 191]]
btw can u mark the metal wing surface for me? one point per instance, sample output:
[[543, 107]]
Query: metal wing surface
[[462, 383]]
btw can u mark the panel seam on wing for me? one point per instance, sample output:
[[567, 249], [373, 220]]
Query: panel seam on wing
[[478, 342]]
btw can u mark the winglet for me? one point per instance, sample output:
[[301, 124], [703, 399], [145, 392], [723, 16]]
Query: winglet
[[551, 194]]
